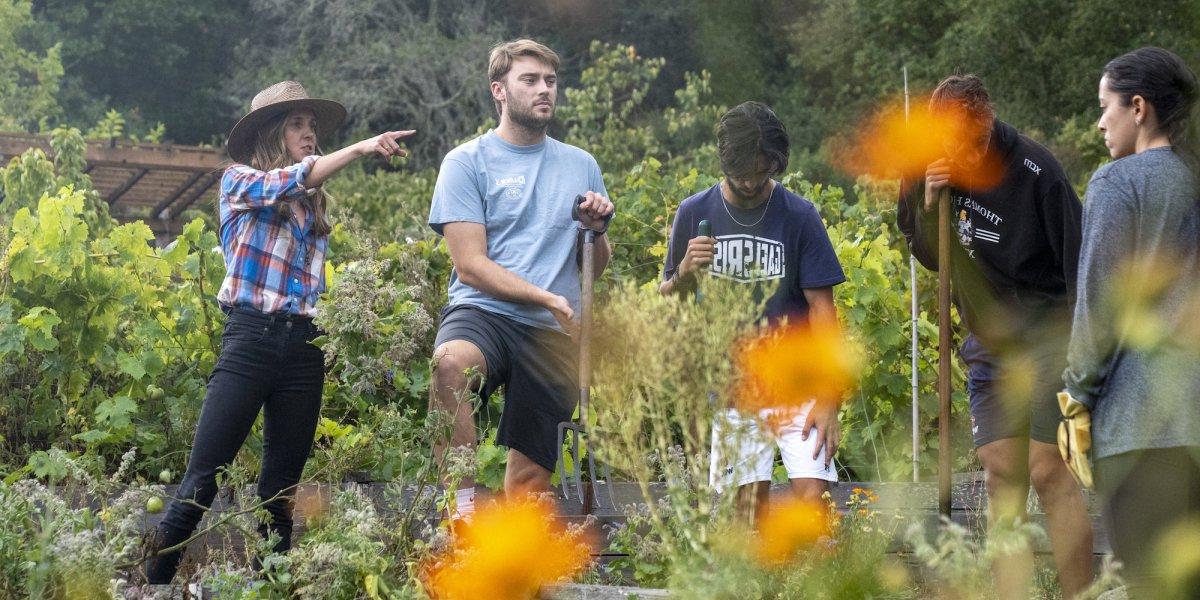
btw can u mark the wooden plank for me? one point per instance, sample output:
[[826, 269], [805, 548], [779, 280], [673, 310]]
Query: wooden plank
[[196, 193], [168, 157], [160, 210], [114, 195]]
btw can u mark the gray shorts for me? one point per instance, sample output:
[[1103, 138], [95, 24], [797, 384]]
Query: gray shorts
[[539, 369], [1020, 401]]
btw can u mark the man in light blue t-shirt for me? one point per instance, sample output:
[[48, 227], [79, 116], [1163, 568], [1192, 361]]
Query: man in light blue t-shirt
[[503, 202]]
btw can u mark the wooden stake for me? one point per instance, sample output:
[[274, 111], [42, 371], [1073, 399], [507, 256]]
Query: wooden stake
[[944, 353]]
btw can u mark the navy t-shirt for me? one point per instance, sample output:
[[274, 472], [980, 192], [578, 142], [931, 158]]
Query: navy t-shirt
[[785, 241]]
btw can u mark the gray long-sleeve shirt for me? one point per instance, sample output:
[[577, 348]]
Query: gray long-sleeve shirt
[[1130, 357]]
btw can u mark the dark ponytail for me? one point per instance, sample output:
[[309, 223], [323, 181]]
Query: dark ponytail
[[1164, 81]]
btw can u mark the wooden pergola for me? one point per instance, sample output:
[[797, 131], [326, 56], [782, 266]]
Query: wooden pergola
[[154, 183]]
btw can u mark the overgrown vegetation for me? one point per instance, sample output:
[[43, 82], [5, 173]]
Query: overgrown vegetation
[[106, 342]]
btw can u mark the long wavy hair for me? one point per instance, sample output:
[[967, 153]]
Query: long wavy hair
[[270, 152]]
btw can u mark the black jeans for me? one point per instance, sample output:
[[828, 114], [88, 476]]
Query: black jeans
[[1145, 494], [268, 364]]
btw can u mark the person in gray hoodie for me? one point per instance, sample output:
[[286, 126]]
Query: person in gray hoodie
[[1134, 341]]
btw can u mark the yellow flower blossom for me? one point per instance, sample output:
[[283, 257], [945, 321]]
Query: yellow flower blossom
[[789, 366], [508, 551], [788, 528]]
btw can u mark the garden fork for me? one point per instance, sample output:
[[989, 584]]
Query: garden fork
[[579, 428]]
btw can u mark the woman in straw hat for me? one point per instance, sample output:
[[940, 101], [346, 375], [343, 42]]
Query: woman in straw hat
[[274, 234]]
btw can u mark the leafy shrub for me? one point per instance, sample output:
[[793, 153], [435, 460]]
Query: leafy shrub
[[104, 334]]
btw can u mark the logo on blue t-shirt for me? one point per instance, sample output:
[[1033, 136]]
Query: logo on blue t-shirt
[[514, 186], [748, 258]]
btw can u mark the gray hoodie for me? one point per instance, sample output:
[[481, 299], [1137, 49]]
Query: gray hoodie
[[1140, 375]]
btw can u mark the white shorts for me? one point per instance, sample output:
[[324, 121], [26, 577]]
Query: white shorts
[[743, 448]]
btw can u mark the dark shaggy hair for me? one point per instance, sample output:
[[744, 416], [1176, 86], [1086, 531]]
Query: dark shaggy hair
[[748, 131]]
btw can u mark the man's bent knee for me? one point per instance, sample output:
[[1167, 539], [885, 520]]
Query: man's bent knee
[[455, 361]]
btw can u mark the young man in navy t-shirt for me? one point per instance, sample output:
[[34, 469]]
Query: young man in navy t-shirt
[[761, 233]]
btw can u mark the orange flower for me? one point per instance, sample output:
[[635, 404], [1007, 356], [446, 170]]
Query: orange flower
[[508, 551], [786, 367], [789, 527], [311, 502], [891, 145]]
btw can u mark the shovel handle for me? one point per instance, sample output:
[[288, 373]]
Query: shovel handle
[[587, 279]]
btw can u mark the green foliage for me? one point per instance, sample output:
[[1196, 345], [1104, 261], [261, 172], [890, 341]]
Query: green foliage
[[604, 110], [95, 317], [846, 56], [111, 126], [155, 61], [385, 206], [29, 78], [607, 115], [662, 368], [959, 562], [1080, 147], [1041, 61], [651, 159], [850, 561], [30, 176], [53, 549], [341, 552], [646, 201], [95, 322], [377, 331], [431, 77]]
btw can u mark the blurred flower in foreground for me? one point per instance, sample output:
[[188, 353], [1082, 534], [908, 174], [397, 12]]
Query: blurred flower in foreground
[[311, 502], [891, 145], [787, 528], [1179, 560], [507, 551], [1139, 288], [790, 365]]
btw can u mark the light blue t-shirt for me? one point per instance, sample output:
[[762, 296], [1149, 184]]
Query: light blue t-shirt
[[523, 197]]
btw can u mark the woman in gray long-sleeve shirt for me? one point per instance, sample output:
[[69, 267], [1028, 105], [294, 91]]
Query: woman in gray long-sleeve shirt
[[1132, 361]]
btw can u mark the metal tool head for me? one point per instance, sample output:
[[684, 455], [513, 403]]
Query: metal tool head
[[575, 477], [584, 493]]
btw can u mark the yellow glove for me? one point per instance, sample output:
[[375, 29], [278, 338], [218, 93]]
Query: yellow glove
[[1075, 438]]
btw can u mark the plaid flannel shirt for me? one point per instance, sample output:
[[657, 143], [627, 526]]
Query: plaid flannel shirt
[[274, 263]]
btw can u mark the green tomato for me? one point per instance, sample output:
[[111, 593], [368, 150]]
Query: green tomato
[[154, 505], [156, 393], [164, 476]]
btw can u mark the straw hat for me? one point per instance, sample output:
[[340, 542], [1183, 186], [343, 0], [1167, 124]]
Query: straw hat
[[274, 101]]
